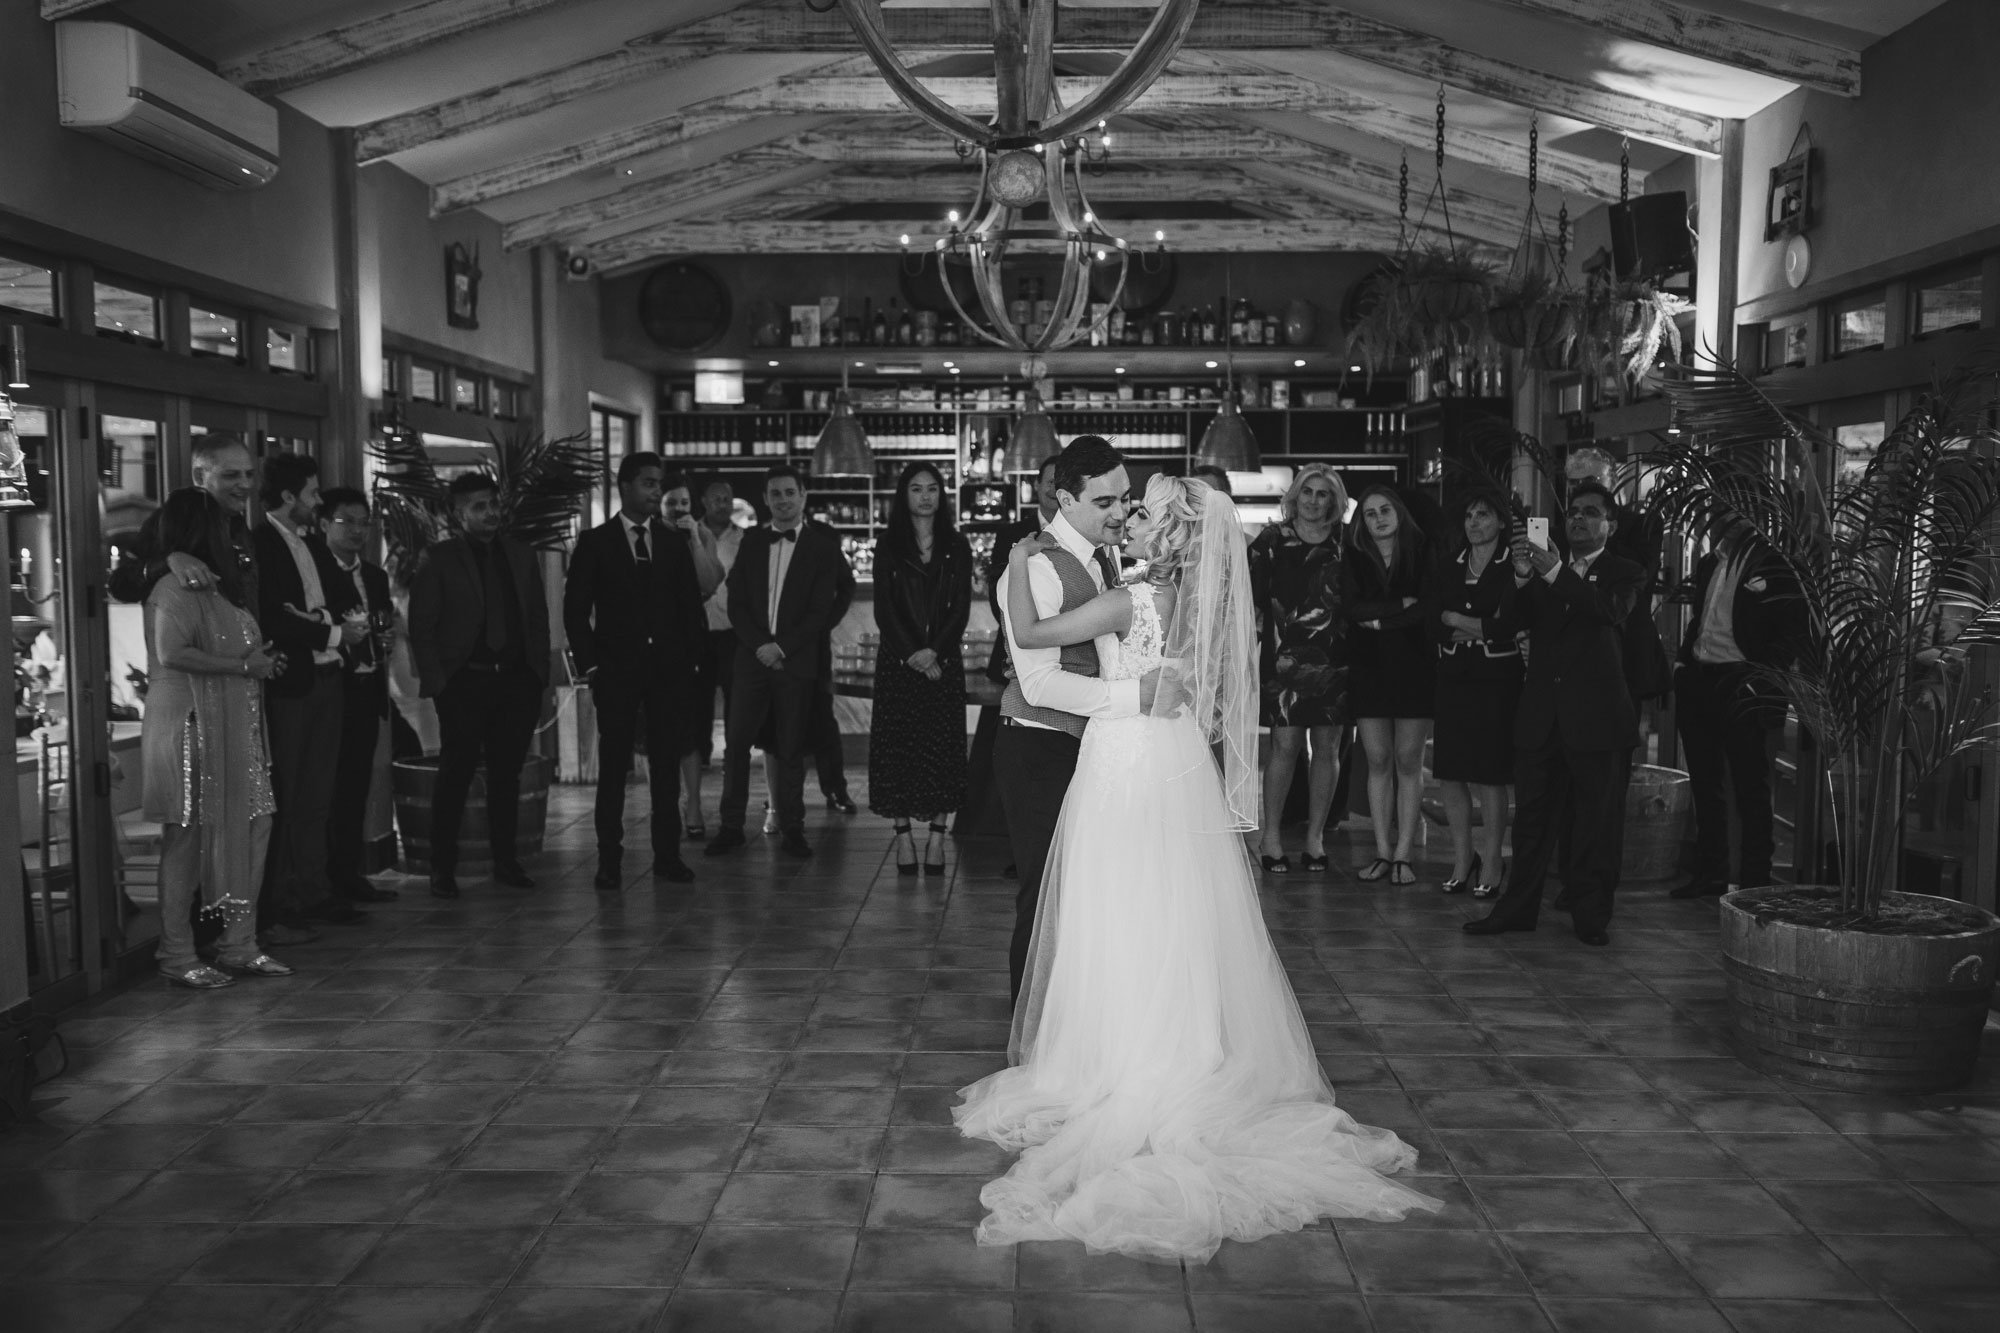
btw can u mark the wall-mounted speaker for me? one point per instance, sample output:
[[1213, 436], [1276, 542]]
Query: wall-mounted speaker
[[1650, 236]]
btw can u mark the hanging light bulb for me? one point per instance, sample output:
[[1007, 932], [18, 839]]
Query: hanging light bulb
[[842, 447]]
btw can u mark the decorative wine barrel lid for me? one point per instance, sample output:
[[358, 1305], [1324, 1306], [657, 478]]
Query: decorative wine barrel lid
[[683, 307], [1149, 281]]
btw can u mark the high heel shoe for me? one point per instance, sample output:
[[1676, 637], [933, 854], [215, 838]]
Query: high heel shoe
[[1465, 881], [937, 832], [905, 839], [1276, 865]]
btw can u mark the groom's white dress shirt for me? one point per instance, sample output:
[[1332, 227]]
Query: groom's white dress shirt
[[1043, 681]]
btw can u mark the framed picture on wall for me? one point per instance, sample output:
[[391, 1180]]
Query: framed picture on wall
[[461, 285]]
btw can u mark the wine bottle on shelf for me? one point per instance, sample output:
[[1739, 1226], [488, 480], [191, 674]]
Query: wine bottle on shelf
[[1045, 309], [906, 328], [1019, 310], [1208, 327], [878, 326]]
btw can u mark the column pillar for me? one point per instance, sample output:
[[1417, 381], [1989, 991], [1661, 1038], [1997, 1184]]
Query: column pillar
[[355, 380]]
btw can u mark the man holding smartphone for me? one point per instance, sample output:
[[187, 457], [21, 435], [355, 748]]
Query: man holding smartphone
[[1576, 727]]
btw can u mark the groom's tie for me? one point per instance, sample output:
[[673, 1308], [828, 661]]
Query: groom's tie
[[1107, 566]]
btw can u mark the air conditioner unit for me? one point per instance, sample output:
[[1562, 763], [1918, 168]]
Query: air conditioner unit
[[123, 86]]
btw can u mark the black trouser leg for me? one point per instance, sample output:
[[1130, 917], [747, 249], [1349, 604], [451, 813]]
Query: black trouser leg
[[718, 667], [1726, 739], [616, 701], [304, 736], [666, 716], [510, 731], [791, 710], [354, 774], [461, 708], [1541, 782], [749, 701], [829, 758], [1597, 781], [1032, 767]]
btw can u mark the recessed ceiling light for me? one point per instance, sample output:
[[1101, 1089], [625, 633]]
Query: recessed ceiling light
[[1119, 370], [775, 363], [1300, 362], [1354, 370], [1211, 365]]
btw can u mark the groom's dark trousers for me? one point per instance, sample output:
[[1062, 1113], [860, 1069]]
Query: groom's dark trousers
[[1032, 767]]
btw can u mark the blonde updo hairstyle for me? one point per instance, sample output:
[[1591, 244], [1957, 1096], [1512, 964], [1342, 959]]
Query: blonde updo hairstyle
[[1175, 505]]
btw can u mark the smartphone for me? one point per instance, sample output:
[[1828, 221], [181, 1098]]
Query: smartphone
[[1538, 532]]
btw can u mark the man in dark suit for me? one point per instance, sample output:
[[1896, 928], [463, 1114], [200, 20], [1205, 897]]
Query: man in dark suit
[[303, 606], [996, 561], [479, 634], [1748, 620], [347, 525], [1574, 732], [784, 592], [632, 611], [224, 467]]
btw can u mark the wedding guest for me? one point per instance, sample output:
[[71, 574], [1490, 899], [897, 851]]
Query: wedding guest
[[207, 767], [303, 601], [1216, 477], [996, 560], [784, 593], [1473, 615], [717, 667], [1392, 671], [677, 512], [632, 614], [1748, 621], [479, 633], [346, 525], [1576, 726], [923, 599], [224, 467], [1295, 575]]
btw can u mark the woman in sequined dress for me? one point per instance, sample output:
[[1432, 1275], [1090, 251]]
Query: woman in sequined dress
[[208, 771]]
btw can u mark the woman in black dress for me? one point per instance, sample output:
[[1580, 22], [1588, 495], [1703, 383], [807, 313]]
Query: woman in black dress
[[1295, 576], [1472, 615], [1391, 670], [923, 597]]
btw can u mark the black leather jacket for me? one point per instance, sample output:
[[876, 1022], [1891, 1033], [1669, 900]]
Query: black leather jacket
[[913, 611]]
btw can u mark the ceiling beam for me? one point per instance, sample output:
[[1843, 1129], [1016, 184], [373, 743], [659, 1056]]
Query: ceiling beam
[[370, 41], [1170, 93], [1356, 183], [62, 9], [700, 190], [881, 237], [1727, 41]]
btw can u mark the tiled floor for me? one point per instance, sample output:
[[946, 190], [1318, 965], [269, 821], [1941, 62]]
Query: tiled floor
[[725, 1107]]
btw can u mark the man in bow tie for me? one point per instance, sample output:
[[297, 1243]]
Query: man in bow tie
[[632, 615], [1576, 726], [784, 596]]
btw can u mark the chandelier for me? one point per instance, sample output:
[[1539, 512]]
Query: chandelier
[[1032, 151]]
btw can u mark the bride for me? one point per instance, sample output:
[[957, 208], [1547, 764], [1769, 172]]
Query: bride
[[1163, 1091]]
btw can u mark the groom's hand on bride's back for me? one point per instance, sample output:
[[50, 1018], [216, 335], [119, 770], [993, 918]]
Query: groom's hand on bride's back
[[1161, 696]]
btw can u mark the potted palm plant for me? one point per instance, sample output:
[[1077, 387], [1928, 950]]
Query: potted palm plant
[[544, 485], [1853, 983]]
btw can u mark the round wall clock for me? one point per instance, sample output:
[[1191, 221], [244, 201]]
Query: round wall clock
[[683, 307], [1798, 260]]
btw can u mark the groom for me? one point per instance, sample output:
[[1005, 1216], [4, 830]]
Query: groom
[[1055, 691]]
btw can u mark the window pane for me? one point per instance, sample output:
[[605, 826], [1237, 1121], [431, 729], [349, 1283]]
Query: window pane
[[1785, 345], [1949, 305], [423, 383], [211, 333], [27, 287], [285, 348], [1863, 326], [465, 392], [132, 457], [1858, 444], [127, 313]]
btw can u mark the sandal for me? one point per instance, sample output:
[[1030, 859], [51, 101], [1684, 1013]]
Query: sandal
[[695, 832], [1276, 865], [200, 977], [1459, 883], [1401, 872], [903, 867], [1315, 865], [936, 867], [1485, 890], [1374, 870]]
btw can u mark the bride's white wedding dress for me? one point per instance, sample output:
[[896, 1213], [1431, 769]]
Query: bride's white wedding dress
[[1165, 1095]]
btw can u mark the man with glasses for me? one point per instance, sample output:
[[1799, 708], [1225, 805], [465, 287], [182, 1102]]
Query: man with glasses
[[1574, 733], [364, 676]]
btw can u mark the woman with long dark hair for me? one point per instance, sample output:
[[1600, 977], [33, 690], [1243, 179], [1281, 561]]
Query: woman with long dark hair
[[923, 598], [208, 769], [1392, 669], [1472, 616]]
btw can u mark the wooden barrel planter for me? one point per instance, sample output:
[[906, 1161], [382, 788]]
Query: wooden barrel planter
[[1854, 1011], [1658, 803], [416, 779]]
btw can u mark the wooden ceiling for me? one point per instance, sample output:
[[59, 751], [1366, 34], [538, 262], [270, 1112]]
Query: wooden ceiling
[[633, 129]]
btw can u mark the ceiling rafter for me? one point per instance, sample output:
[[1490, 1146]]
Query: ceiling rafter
[[1221, 25], [1342, 179], [1727, 41], [1204, 93], [370, 41], [63, 9], [765, 169], [782, 237]]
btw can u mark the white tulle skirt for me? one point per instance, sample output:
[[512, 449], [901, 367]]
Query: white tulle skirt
[[1164, 1094]]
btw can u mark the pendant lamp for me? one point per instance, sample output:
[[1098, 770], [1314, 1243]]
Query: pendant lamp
[[1229, 443], [842, 447], [1034, 438]]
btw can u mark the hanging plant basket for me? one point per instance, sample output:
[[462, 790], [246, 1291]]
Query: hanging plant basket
[[1541, 322], [1427, 300]]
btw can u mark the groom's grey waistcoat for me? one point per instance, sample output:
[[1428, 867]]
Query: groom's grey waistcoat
[[1079, 659]]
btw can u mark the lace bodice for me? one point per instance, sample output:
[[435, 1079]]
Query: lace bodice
[[1144, 645]]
